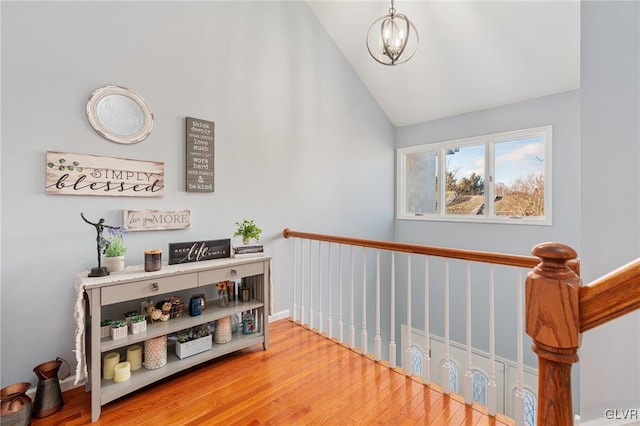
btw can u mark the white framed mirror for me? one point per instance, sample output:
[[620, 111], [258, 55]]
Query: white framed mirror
[[119, 114]]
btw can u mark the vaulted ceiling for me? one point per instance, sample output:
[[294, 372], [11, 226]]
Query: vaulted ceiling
[[472, 55]]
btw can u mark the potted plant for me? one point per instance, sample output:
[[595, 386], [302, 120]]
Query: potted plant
[[115, 250], [248, 230], [193, 341]]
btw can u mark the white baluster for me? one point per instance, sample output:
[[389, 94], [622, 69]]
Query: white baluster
[[378, 339], [320, 287], [310, 285], [340, 298], [407, 350], [445, 367], [329, 313], [392, 329], [352, 323], [294, 306], [519, 396], [302, 281], [468, 375], [491, 386], [426, 357], [363, 334]]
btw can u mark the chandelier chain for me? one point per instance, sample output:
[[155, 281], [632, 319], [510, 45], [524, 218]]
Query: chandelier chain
[[392, 10]]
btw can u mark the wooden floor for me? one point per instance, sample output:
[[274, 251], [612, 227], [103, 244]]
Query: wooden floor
[[303, 378]]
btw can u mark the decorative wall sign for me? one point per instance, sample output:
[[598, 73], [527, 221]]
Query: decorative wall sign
[[79, 174], [148, 220], [200, 144], [197, 251]]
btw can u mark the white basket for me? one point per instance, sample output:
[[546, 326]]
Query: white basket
[[105, 331], [119, 333], [138, 327], [193, 347]]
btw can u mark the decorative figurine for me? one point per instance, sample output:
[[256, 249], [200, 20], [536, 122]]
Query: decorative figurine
[[101, 245]]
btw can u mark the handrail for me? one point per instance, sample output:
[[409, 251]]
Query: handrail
[[610, 296], [472, 255], [559, 308]]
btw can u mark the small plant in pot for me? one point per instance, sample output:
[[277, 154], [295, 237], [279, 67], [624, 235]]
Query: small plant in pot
[[248, 230], [115, 250]]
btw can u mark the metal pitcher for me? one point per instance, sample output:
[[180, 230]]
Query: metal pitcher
[[48, 398], [16, 405]]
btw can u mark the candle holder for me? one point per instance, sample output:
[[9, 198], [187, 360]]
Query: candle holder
[[110, 361], [152, 260], [122, 372], [134, 357]]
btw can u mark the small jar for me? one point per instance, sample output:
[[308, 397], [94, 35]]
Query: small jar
[[152, 260]]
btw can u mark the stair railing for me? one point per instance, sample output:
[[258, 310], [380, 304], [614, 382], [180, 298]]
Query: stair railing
[[558, 309], [315, 292]]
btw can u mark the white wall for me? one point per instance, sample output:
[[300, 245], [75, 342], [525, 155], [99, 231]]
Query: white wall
[[610, 194], [297, 138]]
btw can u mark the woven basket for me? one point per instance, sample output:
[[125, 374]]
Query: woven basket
[[177, 306]]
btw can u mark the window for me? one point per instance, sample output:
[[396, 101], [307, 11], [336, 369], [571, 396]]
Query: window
[[503, 177], [479, 380]]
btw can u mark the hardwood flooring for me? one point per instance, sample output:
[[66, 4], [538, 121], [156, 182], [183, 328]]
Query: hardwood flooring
[[304, 378]]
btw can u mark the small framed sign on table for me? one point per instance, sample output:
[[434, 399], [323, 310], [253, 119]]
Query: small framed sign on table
[[200, 143], [197, 251]]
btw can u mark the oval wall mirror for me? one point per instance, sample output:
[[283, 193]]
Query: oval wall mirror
[[119, 114]]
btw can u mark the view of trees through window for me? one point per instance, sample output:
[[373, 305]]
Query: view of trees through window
[[499, 176]]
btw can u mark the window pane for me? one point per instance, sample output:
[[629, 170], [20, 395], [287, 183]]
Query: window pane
[[519, 177], [421, 183], [465, 180]]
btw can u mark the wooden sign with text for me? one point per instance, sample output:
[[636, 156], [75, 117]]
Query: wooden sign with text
[[197, 251], [79, 174], [200, 144], [151, 220]]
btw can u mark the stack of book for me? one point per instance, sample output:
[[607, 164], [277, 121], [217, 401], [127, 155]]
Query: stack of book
[[251, 250]]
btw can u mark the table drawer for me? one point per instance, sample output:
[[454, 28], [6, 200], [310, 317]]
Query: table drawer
[[147, 288], [230, 273]]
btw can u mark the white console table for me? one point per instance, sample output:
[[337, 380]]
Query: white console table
[[134, 283]]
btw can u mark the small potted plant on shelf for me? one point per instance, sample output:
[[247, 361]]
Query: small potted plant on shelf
[[115, 250], [193, 341], [248, 230], [118, 329], [138, 324]]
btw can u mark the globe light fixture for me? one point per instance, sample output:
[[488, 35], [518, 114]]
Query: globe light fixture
[[395, 42]]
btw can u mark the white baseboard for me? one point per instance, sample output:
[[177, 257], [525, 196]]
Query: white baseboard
[[65, 385], [279, 315]]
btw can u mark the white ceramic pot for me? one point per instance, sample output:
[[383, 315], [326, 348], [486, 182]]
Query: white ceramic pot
[[114, 263]]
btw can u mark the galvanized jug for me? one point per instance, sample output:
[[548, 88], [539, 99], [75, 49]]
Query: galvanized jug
[[48, 395], [16, 405]]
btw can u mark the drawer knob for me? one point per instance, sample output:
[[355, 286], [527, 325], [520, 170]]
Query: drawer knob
[[234, 272], [154, 287]]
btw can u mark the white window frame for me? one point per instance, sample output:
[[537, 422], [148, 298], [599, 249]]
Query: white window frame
[[489, 141]]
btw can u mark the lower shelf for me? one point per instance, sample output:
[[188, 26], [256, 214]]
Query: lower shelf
[[140, 378]]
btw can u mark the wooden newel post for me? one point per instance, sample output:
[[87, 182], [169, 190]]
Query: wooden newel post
[[552, 320]]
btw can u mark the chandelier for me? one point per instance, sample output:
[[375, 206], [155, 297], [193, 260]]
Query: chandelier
[[394, 43]]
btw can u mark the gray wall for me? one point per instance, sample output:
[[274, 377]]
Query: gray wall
[[297, 140], [562, 111], [610, 194]]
